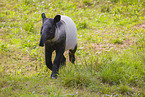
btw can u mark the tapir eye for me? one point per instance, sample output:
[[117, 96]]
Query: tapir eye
[[50, 29]]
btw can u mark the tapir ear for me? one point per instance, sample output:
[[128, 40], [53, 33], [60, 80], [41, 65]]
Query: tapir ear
[[57, 19], [43, 16]]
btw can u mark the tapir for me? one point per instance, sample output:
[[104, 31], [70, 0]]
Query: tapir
[[58, 34]]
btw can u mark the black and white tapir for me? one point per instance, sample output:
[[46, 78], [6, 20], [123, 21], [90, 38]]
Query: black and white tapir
[[58, 34]]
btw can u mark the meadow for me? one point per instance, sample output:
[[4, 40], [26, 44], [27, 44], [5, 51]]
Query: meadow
[[110, 59]]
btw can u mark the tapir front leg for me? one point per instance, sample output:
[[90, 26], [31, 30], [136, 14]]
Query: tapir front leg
[[48, 55], [57, 61]]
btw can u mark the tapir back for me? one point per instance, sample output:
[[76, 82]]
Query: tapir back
[[71, 32]]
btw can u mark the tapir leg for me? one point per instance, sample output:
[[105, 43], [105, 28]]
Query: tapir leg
[[57, 61], [72, 54], [48, 61], [63, 61]]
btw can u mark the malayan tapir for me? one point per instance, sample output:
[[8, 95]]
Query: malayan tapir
[[59, 35]]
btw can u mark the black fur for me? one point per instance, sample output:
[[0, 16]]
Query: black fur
[[48, 31], [71, 54]]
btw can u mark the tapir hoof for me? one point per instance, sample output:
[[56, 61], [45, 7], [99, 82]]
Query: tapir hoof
[[53, 76]]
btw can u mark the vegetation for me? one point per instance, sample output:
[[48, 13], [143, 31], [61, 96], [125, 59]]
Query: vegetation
[[110, 60]]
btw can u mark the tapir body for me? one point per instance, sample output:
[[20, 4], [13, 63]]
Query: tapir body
[[58, 34], [71, 32]]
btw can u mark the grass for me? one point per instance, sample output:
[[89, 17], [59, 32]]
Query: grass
[[110, 60]]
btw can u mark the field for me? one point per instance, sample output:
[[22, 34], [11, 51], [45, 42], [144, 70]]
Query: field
[[110, 59]]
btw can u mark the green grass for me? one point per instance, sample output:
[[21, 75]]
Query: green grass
[[110, 60]]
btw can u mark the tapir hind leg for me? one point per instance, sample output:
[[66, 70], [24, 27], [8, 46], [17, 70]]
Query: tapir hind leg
[[63, 61], [72, 54]]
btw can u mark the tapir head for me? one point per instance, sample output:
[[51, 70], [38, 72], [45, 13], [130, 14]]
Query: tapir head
[[48, 28]]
